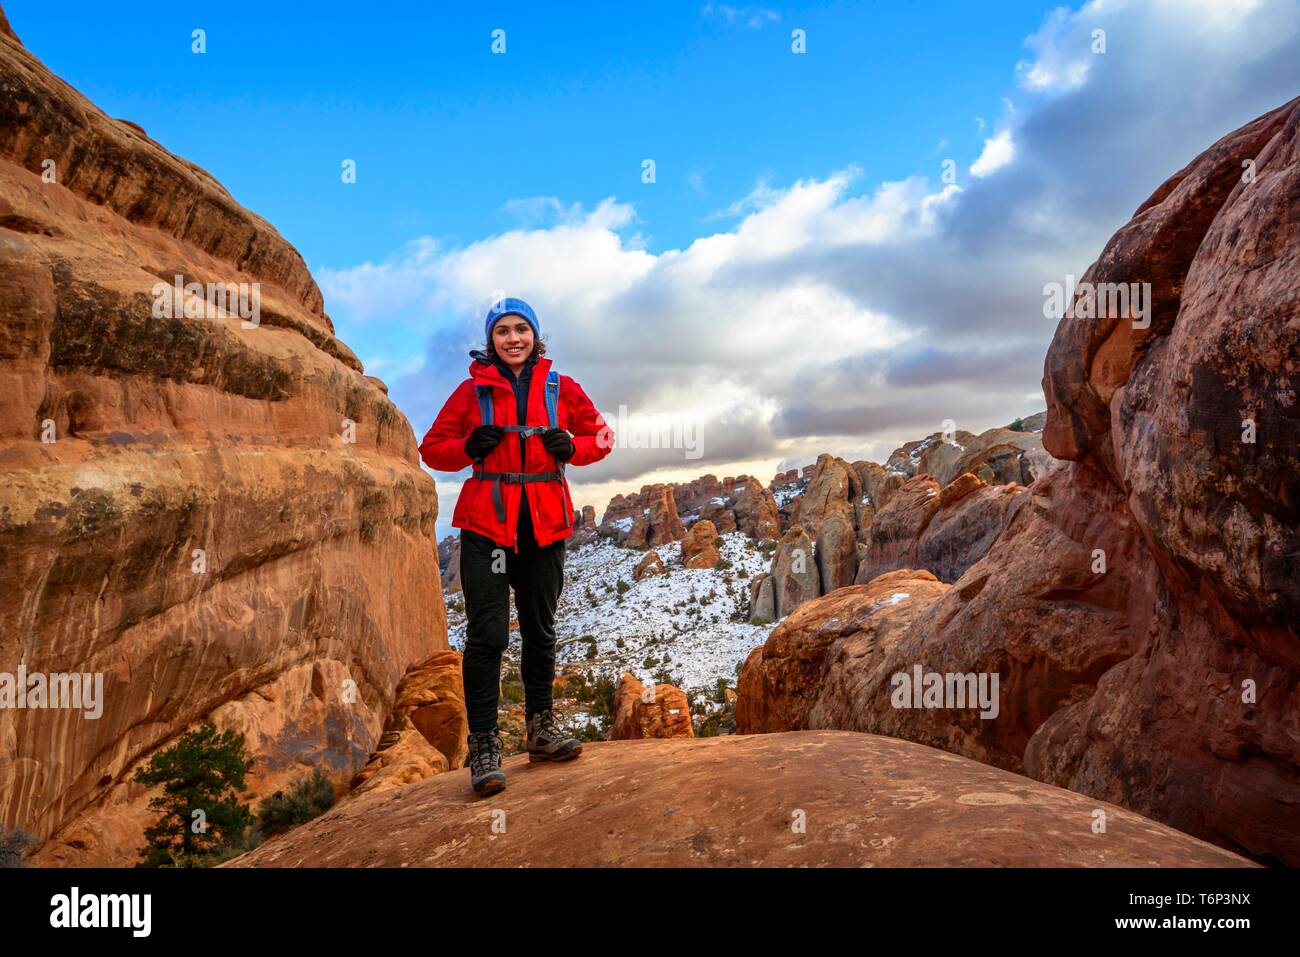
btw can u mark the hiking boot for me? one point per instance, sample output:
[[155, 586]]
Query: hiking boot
[[546, 742], [485, 774]]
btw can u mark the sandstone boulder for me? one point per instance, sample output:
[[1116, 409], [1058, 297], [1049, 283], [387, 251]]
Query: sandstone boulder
[[836, 551], [698, 548], [785, 678], [650, 564], [404, 757], [794, 571], [970, 518], [658, 712], [762, 600]]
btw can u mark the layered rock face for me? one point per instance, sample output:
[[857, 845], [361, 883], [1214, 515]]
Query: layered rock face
[[737, 801], [226, 519], [1140, 607]]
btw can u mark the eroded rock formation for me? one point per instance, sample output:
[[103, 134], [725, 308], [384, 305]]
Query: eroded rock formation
[[698, 547], [1141, 605], [738, 504], [186, 509], [646, 519], [661, 513], [944, 532]]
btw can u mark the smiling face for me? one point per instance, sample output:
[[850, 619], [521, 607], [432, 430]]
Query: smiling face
[[512, 337]]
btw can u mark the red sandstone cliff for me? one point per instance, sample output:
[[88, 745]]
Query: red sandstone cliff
[[180, 509]]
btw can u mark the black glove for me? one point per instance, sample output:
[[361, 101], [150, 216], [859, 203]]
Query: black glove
[[482, 441], [559, 443]]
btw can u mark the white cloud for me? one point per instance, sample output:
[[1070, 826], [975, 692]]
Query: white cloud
[[998, 152], [752, 17], [838, 315], [387, 366]]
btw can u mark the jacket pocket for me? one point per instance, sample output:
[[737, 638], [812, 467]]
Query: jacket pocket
[[474, 505]]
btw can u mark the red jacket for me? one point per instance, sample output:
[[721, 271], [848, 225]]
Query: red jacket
[[551, 507]]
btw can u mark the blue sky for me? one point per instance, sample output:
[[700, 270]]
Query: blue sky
[[445, 133], [800, 278]]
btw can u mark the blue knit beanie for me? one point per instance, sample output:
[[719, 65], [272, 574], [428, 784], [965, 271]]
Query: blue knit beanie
[[511, 307]]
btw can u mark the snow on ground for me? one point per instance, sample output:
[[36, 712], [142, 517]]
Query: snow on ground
[[787, 494], [686, 615]]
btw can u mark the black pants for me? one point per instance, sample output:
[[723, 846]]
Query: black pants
[[487, 573]]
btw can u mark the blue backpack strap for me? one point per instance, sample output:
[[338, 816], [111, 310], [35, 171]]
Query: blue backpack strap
[[485, 404], [553, 417], [553, 398]]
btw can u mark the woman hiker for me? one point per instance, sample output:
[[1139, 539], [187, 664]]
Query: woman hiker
[[517, 423]]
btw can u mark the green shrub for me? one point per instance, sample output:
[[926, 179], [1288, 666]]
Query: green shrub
[[720, 695], [512, 686], [597, 698], [308, 796]]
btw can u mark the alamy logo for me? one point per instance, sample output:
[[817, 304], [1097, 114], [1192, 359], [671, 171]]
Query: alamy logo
[[102, 910], [932, 689], [210, 300], [1102, 300], [37, 689], [648, 430]]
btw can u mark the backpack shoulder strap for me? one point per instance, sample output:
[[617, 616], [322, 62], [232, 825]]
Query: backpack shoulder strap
[[485, 411], [553, 398]]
